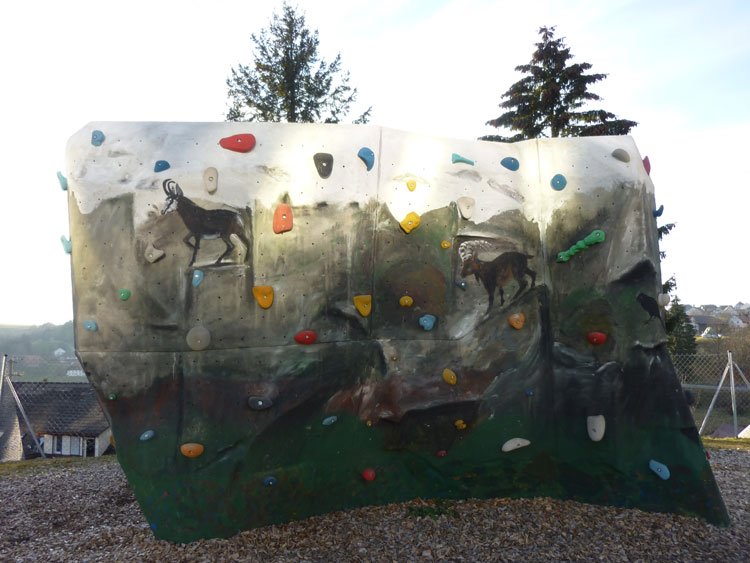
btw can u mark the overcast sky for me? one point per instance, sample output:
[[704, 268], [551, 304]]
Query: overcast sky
[[679, 68]]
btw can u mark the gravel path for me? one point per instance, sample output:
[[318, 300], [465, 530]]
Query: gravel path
[[86, 512]]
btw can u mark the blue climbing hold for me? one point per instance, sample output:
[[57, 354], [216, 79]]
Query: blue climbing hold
[[510, 163], [659, 468], [427, 321], [91, 326], [461, 284], [197, 278], [269, 481], [330, 420], [529, 392], [367, 156], [259, 403], [97, 138], [161, 165], [63, 181], [147, 435], [658, 212], [458, 158], [558, 182], [153, 526], [67, 245]]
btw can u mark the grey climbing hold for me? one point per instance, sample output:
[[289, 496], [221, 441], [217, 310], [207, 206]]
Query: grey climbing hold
[[259, 403], [514, 444], [427, 321], [211, 179], [67, 245], [659, 468], [329, 420], [367, 156], [147, 435], [153, 254], [510, 163], [466, 206], [197, 278], [324, 164], [596, 426], [198, 338], [621, 154], [558, 182], [90, 326], [160, 165], [63, 181], [97, 138], [458, 158]]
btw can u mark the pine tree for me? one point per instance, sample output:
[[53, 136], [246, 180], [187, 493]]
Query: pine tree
[[680, 331], [548, 101], [288, 81]]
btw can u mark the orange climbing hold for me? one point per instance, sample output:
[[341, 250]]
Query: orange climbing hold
[[516, 320], [282, 219], [445, 244], [263, 295], [410, 222], [191, 450], [449, 376], [406, 301], [459, 424], [363, 303]]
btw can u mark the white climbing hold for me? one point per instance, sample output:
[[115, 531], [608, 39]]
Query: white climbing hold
[[663, 299], [514, 444], [211, 179], [621, 154], [198, 338], [595, 426], [466, 206]]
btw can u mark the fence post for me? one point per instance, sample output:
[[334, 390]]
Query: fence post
[[23, 412], [713, 401], [731, 388]]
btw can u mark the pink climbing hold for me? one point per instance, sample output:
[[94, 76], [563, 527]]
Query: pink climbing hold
[[647, 165], [305, 337], [368, 474], [442, 453], [239, 143]]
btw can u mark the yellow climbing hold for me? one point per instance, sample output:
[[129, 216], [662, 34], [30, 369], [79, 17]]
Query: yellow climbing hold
[[369, 423], [516, 320], [459, 424], [410, 222], [445, 244], [191, 449], [363, 303], [263, 295], [449, 377], [406, 301], [412, 185]]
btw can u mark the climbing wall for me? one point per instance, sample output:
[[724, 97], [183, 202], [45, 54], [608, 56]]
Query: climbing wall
[[284, 320]]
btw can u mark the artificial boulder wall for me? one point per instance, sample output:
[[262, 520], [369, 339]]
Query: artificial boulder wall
[[284, 320]]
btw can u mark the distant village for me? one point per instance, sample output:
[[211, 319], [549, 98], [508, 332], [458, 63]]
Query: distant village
[[711, 321]]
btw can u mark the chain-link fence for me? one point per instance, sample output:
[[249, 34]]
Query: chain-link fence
[[700, 375]]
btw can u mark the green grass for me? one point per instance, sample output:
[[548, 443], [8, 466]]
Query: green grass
[[36, 466], [726, 444]]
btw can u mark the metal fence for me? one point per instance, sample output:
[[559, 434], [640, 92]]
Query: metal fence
[[701, 375]]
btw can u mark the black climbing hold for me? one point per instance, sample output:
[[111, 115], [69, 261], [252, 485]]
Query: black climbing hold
[[259, 403], [324, 164]]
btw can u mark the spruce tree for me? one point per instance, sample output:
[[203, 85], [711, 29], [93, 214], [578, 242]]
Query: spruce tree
[[680, 331], [549, 101]]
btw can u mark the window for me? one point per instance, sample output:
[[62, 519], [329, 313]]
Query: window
[[75, 445], [58, 444]]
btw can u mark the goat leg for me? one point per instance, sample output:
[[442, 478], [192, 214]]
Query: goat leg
[[229, 249], [195, 251]]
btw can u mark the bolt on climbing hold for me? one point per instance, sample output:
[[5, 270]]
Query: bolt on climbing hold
[[363, 304], [516, 320], [659, 468], [410, 222], [243, 142], [305, 337], [197, 278], [529, 392], [406, 301], [368, 474], [147, 435], [329, 420], [191, 449], [112, 396], [621, 155], [445, 244], [558, 182], [63, 181], [461, 284], [595, 425], [510, 163], [663, 299], [263, 295], [647, 165], [269, 481], [597, 338], [460, 424], [456, 158], [198, 338], [161, 166], [367, 156], [97, 138], [67, 245], [282, 219], [153, 254], [427, 321], [514, 444], [441, 453], [124, 294], [466, 206], [259, 403], [411, 184], [595, 237], [211, 179], [90, 326], [658, 212], [323, 163], [449, 376]]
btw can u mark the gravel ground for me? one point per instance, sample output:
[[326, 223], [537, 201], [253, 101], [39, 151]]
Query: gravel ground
[[86, 512]]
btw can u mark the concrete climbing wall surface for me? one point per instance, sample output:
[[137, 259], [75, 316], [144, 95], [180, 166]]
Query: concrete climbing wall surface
[[283, 320]]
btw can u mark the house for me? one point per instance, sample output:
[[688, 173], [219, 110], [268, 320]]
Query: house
[[68, 417], [59, 353], [702, 322]]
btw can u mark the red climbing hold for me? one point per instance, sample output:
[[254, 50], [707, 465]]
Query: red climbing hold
[[368, 474], [597, 338], [305, 337], [282, 219], [239, 143], [442, 453], [647, 165]]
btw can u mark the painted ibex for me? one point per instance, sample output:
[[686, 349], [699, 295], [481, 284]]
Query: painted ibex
[[204, 223], [498, 272]]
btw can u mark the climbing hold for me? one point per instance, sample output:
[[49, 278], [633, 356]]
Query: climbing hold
[[406, 301], [269, 481], [91, 326], [330, 420], [466, 206], [594, 238], [445, 244], [514, 444], [124, 294], [160, 165], [97, 138], [510, 163], [259, 403], [461, 284], [595, 426], [147, 435], [458, 158], [658, 212], [368, 474], [410, 222], [558, 182], [112, 396], [460, 424], [427, 321], [282, 219], [197, 278], [368, 423], [153, 254], [516, 320], [597, 338], [663, 299], [67, 245], [243, 142], [442, 453], [529, 392], [324, 163], [659, 468], [363, 304], [211, 179], [449, 376], [412, 185], [63, 181], [647, 165], [621, 154], [305, 337], [367, 156], [198, 338], [263, 295], [191, 450]]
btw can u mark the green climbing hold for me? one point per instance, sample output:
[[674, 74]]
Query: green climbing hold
[[124, 294], [594, 238], [112, 396], [63, 181], [458, 158]]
